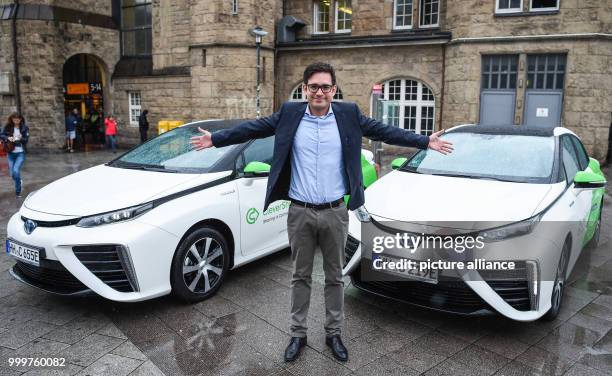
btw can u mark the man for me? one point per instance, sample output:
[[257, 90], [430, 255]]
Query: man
[[72, 120], [143, 125], [316, 162]]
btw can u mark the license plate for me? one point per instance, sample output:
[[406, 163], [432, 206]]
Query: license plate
[[22, 252], [425, 275]]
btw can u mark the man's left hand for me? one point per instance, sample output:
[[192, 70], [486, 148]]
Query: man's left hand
[[439, 145]]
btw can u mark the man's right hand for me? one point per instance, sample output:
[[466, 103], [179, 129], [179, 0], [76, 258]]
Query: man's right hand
[[201, 142]]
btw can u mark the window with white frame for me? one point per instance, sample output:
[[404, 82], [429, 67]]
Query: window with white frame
[[409, 104], [134, 106], [344, 12], [544, 5], [234, 6], [508, 6], [321, 16], [298, 95], [430, 12], [402, 14]]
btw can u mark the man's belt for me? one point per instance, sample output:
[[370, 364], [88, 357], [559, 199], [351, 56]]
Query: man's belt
[[327, 205]]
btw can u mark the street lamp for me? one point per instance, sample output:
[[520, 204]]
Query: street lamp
[[258, 33]]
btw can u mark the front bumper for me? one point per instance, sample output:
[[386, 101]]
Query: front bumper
[[126, 261], [471, 293]]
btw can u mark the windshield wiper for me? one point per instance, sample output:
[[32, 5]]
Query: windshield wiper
[[144, 167], [474, 177]]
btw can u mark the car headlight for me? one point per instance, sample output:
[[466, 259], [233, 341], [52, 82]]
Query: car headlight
[[362, 214], [115, 216], [512, 230]]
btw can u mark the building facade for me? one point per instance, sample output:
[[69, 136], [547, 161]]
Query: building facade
[[439, 62]]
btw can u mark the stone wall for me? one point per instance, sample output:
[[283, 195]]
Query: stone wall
[[44, 47], [370, 17], [171, 33], [476, 18], [587, 104], [7, 102], [166, 98], [358, 69]]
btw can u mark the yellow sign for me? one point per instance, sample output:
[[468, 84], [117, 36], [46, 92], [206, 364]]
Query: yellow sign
[[77, 89]]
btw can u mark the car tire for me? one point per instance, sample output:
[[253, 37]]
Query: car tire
[[199, 265], [556, 299], [594, 242]]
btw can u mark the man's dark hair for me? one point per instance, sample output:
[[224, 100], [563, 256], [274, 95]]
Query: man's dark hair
[[319, 68]]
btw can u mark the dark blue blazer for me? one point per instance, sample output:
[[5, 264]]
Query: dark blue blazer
[[352, 126]]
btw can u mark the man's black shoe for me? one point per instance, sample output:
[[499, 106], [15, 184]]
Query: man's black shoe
[[293, 349], [337, 348]]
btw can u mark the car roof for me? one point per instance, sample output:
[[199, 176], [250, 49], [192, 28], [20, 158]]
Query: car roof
[[216, 123], [523, 130]]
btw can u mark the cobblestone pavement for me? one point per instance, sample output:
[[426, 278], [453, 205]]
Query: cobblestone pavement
[[243, 329]]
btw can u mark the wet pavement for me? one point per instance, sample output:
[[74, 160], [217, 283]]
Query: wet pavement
[[244, 328]]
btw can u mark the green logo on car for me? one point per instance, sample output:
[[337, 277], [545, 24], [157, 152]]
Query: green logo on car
[[252, 215]]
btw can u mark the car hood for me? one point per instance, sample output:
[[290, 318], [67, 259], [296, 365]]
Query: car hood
[[458, 202], [102, 188]]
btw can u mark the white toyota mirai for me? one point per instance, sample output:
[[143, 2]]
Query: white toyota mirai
[[533, 195], [161, 218]]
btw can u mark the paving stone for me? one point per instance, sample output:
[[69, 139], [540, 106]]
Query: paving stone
[[147, 369], [515, 368], [502, 345], [440, 343], [129, 350], [216, 307], [360, 354], [480, 359], [385, 366], [112, 331], [89, 349], [312, 362], [42, 347], [417, 357], [601, 361], [597, 324], [576, 334], [111, 364], [595, 309], [142, 328], [542, 360], [582, 370], [77, 329], [558, 346], [382, 341], [67, 370], [452, 368], [20, 334]]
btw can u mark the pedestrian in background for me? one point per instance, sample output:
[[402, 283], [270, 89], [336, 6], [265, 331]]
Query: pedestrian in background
[[143, 125], [110, 124], [72, 120], [16, 132]]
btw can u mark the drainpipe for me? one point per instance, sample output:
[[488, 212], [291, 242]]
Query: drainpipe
[[442, 88], [15, 58]]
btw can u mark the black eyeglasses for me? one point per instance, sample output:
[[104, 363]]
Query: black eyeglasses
[[324, 88]]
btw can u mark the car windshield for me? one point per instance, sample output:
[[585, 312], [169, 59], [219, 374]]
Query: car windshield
[[171, 152], [516, 158]]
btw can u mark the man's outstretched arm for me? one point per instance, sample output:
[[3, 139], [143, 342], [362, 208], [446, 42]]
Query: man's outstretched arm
[[252, 129], [378, 131]]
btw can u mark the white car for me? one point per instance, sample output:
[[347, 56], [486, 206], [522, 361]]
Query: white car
[[161, 218], [533, 195]]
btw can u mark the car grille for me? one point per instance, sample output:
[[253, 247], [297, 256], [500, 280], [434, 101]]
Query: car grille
[[110, 264], [449, 294], [350, 248], [50, 276]]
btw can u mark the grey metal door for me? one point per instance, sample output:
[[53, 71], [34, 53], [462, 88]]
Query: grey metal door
[[544, 94], [543, 108], [497, 107], [498, 89]]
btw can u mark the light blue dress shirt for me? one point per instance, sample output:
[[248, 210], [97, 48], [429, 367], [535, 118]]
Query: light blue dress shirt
[[317, 164]]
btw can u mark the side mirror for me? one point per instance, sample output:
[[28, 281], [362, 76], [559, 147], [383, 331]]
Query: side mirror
[[398, 162], [589, 180], [594, 166], [257, 169]]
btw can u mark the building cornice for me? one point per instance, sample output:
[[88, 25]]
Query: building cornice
[[531, 38], [338, 42]]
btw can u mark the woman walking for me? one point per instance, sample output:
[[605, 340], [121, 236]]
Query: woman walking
[[16, 132], [111, 132]]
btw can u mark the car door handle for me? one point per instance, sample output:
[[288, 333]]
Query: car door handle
[[571, 204]]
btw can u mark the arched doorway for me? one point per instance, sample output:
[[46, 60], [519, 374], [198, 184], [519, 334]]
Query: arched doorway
[[85, 86]]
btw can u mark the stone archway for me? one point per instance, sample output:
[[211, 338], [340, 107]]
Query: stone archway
[[86, 88]]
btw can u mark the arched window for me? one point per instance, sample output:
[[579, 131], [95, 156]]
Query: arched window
[[297, 95], [409, 104]]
